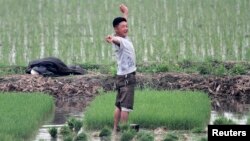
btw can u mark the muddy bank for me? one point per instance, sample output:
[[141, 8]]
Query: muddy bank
[[228, 93], [223, 90]]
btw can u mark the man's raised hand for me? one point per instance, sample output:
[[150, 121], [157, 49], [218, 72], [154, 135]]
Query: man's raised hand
[[109, 39], [124, 10]]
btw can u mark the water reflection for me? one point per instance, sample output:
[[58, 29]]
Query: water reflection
[[68, 107], [65, 108], [235, 117], [238, 110], [234, 105]]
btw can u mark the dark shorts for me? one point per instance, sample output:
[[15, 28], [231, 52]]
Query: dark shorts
[[126, 87]]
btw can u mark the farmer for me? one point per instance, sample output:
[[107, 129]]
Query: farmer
[[126, 69]]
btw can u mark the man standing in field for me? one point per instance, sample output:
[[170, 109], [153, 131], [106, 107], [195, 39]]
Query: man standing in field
[[125, 56]]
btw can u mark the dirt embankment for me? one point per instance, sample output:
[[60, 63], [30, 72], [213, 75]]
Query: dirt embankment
[[227, 88]]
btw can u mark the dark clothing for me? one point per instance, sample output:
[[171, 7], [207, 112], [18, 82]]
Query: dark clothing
[[52, 66], [125, 86]]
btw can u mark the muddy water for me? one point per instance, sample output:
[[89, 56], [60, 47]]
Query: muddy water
[[65, 108], [73, 107]]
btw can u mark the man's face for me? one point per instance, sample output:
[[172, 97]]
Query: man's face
[[122, 29]]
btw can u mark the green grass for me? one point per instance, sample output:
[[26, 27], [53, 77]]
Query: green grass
[[223, 121], [171, 137], [74, 30], [8, 70], [127, 135], [22, 114], [208, 67], [81, 137], [105, 132], [248, 119], [203, 139], [173, 109], [145, 136], [53, 132]]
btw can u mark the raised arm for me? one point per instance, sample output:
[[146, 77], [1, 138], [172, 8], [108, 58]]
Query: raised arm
[[114, 39], [124, 10]]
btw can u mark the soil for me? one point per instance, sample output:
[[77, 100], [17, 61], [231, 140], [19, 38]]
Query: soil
[[224, 90]]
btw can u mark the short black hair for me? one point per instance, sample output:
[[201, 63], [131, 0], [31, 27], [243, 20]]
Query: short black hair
[[118, 20]]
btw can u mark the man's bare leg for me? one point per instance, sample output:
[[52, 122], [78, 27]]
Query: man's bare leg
[[124, 117], [117, 116]]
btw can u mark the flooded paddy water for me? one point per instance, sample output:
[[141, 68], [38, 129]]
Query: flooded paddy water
[[236, 111]]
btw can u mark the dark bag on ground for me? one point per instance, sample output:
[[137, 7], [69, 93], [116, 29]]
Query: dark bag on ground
[[52, 66]]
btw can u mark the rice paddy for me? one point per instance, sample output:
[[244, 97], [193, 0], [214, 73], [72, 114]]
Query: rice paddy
[[162, 30], [152, 109], [22, 114]]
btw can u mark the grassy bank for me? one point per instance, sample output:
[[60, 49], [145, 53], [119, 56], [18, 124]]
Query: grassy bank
[[207, 67], [22, 114], [172, 109]]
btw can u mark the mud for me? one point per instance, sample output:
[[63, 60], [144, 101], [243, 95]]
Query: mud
[[223, 90]]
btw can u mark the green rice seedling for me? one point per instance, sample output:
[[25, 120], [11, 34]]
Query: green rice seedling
[[205, 68], [182, 110], [185, 64], [71, 123], [72, 128], [238, 69], [210, 33], [105, 132], [78, 125], [144, 136], [163, 68], [248, 120], [220, 70], [8, 137], [223, 121], [127, 135], [65, 130], [198, 130], [23, 113], [203, 139], [112, 70], [81, 137], [171, 137], [53, 132], [68, 138], [124, 127], [153, 68], [74, 124]]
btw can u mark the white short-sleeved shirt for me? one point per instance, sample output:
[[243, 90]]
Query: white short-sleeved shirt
[[125, 56]]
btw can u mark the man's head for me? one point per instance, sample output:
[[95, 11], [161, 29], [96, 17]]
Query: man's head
[[120, 26]]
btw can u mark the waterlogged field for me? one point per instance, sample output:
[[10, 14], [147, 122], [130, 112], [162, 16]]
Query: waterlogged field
[[22, 114], [162, 30], [152, 109]]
